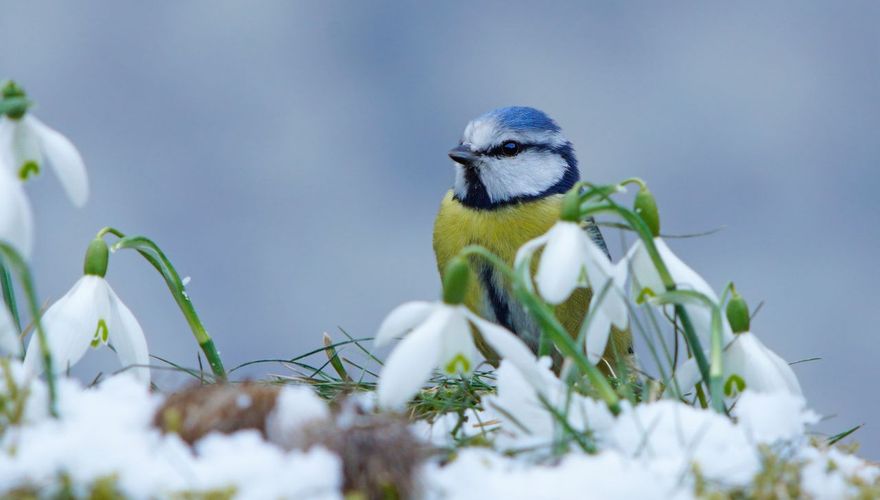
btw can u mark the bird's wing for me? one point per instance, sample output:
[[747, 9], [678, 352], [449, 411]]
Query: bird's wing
[[592, 229]]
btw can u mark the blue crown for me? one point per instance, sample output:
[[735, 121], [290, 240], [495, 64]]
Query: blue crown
[[523, 118]]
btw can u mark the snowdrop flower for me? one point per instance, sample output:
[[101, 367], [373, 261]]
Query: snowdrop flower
[[761, 369], [571, 259], [521, 403], [16, 229], [26, 142], [438, 334], [16, 219], [746, 357], [645, 276], [91, 314]]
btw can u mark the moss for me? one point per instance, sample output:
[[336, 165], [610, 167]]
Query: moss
[[778, 478], [217, 494], [12, 397]]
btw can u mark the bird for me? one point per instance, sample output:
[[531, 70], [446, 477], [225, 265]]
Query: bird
[[512, 167]]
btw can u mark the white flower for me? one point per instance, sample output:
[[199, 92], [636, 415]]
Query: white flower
[[26, 142], [761, 369], [439, 334], [16, 229], [16, 219], [521, 404], [645, 275], [90, 314], [571, 259]]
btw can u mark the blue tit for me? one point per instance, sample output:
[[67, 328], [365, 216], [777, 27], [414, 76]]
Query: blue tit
[[512, 168]]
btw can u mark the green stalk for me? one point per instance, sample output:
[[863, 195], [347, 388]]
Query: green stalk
[[12, 257], [647, 238], [9, 295], [551, 326], [716, 370], [151, 252]]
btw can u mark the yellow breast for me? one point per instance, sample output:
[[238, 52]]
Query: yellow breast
[[502, 230]]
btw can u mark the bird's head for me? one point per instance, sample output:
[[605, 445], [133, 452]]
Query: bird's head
[[511, 155]]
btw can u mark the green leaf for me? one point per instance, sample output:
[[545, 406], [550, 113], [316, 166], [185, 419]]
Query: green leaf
[[154, 255]]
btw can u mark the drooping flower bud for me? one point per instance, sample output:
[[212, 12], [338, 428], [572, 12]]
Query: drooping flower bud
[[571, 206], [15, 102], [97, 256], [738, 313], [455, 281], [646, 207]]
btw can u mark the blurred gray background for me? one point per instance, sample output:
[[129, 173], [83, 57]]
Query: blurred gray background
[[290, 157]]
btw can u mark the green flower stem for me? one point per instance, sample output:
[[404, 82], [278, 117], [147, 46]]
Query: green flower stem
[[151, 252], [9, 295], [716, 369], [551, 326], [634, 180], [14, 259], [647, 238]]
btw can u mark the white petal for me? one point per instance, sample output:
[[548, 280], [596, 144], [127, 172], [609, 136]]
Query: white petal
[[127, 337], [70, 324], [642, 269], [9, 344], [65, 160], [7, 162], [761, 368], [19, 144], [686, 377], [597, 336], [685, 278], [528, 249], [561, 263], [402, 319], [458, 353], [16, 218], [786, 373], [508, 346], [411, 362], [601, 273]]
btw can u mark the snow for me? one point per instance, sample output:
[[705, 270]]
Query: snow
[[295, 407], [480, 473], [107, 431], [650, 450]]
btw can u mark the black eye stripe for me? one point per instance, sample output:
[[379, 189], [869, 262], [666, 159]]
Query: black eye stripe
[[500, 149]]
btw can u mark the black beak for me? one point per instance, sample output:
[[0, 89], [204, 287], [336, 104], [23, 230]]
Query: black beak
[[464, 156]]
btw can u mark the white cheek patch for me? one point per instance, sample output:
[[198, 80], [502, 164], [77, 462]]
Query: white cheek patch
[[527, 174]]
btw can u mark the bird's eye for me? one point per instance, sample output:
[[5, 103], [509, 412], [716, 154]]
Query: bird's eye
[[510, 148]]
